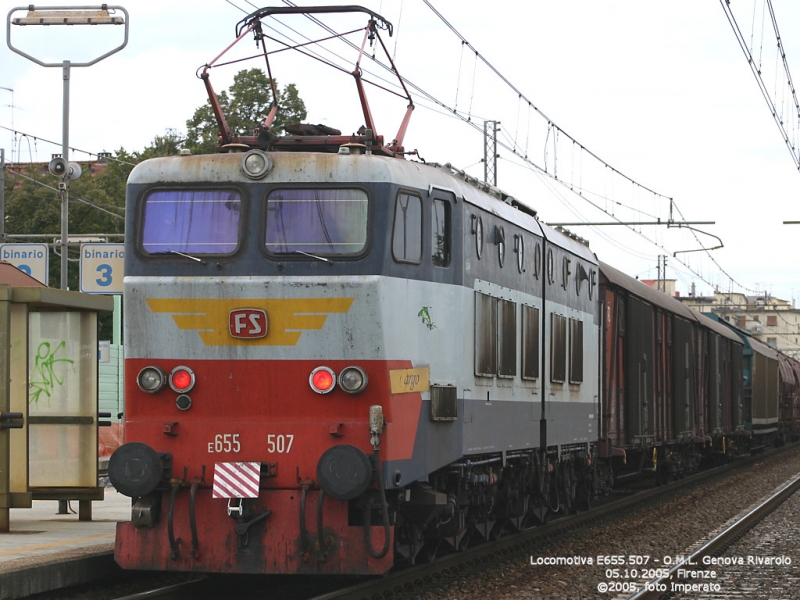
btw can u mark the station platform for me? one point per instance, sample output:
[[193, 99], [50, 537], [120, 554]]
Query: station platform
[[45, 551]]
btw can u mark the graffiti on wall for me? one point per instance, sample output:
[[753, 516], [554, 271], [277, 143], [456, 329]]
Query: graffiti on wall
[[48, 370]]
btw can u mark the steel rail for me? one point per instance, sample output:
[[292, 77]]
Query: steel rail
[[719, 542], [176, 591]]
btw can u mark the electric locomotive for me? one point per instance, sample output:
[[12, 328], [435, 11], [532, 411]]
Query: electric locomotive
[[338, 358]]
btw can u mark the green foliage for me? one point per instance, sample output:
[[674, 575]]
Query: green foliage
[[168, 144], [245, 105]]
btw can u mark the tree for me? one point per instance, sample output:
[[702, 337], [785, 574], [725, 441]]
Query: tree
[[245, 105], [168, 144]]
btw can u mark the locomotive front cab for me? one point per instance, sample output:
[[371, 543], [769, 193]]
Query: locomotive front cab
[[273, 390]]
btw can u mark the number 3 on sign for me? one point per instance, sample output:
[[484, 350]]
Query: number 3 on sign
[[105, 275], [281, 444], [228, 442]]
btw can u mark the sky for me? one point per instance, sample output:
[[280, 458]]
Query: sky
[[660, 91]]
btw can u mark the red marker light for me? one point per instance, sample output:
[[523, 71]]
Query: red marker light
[[322, 380], [181, 379]]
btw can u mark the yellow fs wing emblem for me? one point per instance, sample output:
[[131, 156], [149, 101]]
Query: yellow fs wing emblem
[[288, 317]]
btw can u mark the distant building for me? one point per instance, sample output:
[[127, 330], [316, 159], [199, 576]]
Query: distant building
[[771, 320]]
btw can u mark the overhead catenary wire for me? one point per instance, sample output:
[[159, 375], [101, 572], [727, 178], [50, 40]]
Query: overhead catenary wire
[[655, 243], [560, 131], [512, 146], [38, 137], [532, 105], [757, 71]]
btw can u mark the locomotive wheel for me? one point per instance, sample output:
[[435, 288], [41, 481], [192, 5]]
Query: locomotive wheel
[[567, 484], [408, 539], [464, 542], [538, 514], [584, 494], [430, 550], [497, 532]]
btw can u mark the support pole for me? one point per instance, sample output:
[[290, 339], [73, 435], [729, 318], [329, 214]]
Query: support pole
[[117, 325], [5, 406], [490, 151], [2, 195], [64, 186]]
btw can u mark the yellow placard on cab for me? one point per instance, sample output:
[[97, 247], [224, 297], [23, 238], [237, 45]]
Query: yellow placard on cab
[[409, 380]]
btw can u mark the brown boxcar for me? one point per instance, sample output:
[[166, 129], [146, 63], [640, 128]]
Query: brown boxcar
[[719, 406], [672, 382]]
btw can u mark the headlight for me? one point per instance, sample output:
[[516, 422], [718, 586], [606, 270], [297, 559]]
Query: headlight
[[181, 379], [353, 380], [256, 164], [151, 380], [322, 380]]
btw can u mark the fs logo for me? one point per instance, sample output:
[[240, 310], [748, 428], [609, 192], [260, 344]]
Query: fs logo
[[248, 323]]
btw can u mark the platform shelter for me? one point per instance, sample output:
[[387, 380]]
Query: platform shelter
[[49, 415]]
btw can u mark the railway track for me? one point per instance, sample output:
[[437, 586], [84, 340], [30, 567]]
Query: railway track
[[417, 580], [177, 591], [688, 576]]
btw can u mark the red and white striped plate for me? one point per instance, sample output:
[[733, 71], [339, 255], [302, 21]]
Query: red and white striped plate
[[236, 480]]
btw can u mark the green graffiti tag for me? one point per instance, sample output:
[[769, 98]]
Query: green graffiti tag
[[426, 317], [44, 378]]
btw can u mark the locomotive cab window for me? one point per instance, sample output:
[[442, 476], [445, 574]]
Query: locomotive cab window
[[326, 222], [191, 221], [407, 234], [440, 233]]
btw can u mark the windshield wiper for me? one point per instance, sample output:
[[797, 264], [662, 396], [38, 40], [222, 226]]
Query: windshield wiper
[[322, 258], [189, 256]]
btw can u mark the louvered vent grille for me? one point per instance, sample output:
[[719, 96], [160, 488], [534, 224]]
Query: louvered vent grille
[[444, 404]]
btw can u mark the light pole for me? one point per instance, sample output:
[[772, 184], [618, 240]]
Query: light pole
[[3, 172], [66, 15], [13, 133]]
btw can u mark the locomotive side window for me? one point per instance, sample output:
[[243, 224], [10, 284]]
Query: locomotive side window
[[530, 342], [477, 229], [558, 348], [440, 233], [507, 342], [485, 335], [316, 221], [407, 236], [191, 221], [575, 351], [500, 240], [519, 248]]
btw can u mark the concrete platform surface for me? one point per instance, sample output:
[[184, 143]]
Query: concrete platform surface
[[45, 551]]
